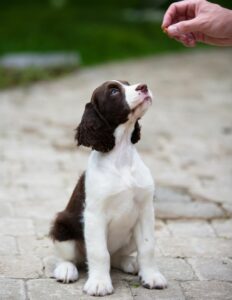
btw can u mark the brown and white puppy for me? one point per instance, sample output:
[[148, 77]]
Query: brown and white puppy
[[110, 214]]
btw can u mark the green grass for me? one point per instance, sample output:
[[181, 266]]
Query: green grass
[[98, 34], [94, 29]]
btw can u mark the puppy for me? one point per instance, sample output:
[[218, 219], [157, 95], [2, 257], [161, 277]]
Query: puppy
[[110, 214]]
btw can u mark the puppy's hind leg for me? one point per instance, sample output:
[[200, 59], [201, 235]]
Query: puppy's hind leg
[[66, 270], [124, 260], [126, 263]]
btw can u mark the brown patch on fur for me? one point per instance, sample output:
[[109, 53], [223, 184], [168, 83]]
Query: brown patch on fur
[[136, 134], [80, 246], [93, 132], [102, 116], [68, 224]]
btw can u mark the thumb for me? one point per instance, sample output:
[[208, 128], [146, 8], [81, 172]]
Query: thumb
[[184, 27]]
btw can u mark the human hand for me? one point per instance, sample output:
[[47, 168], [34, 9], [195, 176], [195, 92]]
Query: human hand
[[193, 21]]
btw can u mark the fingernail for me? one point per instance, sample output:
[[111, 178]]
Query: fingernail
[[172, 30]]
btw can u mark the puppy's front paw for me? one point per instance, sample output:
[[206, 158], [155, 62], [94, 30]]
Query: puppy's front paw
[[66, 272], [152, 279], [98, 286]]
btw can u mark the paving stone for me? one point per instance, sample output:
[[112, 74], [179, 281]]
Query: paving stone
[[5, 209], [228, 208], [8, 193], [207, 290], [26, 154], [20, 266], [30, 245], [212, 192], [195, 247], [8, 245], [41, 179], [223, 228], [195, 228], [181, 180], [177, 210], [212, 269], [122, 289], [40, 209], [161, 229], [175, 269], [16, 226], [166, 194], [27, 197], [42, 227], [173, 292], [41, 289], [50, 289], [12, 289]]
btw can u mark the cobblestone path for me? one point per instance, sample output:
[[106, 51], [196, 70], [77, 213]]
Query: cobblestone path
[[186, 142]]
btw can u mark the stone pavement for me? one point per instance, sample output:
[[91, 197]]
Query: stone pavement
[[186, 142]]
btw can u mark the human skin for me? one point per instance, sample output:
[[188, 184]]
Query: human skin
[[193, 21]]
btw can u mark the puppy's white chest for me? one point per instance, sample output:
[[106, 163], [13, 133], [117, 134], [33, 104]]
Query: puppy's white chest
[[119, 190], [122, 214], [126, 178]]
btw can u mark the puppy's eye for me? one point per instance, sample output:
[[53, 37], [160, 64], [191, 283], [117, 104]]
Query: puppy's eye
[[114, 91]]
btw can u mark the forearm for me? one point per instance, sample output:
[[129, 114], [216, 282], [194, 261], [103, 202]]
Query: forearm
[[98, 257], [226, 26]]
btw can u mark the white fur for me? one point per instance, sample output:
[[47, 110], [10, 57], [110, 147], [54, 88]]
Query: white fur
[[128, 264], [99, 286], [66, 250], [66, 272], [119, 212]]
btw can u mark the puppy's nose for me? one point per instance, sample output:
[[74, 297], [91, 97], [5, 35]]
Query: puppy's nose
[[142, 87]]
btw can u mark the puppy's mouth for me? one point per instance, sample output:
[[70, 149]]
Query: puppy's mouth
[[146, 99]]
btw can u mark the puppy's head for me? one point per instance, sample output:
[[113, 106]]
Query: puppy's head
[[113, 103]]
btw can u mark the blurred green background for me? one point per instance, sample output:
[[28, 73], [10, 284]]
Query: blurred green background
[[99, 31]]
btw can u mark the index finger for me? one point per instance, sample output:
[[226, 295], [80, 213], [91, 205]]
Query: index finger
[[176, 10]]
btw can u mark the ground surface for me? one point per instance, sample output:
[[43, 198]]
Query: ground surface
[[186, 142]]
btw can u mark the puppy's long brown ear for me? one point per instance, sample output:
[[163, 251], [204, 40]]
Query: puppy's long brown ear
[[94, 132], [135, 137]]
